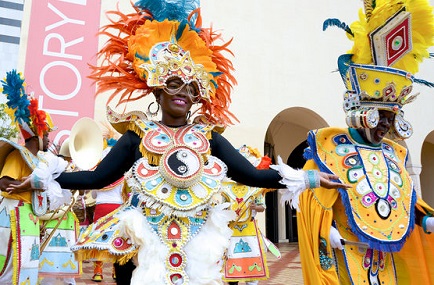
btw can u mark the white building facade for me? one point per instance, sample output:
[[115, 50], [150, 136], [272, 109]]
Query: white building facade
[[286, 68]]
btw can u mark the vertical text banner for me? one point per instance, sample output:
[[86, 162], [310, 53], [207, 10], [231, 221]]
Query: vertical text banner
[[62, 43]]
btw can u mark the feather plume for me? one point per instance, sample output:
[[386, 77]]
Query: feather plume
[[13, 88], [422, 30], [293, 179], [424, 82], [175, 10], [343, 65], [369, 7], [337, 23], [31, 120], [38, 117], [117, 74], [206, 249]]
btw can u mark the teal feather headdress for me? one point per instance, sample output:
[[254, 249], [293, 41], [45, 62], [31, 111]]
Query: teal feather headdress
[[13, 88], [31, 121]]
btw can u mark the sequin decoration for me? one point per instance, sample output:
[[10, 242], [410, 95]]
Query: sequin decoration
[[392, 40], [325, 260]]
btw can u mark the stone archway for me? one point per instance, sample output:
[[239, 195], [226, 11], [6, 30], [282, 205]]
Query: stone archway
[[285, 137], [426, 175]]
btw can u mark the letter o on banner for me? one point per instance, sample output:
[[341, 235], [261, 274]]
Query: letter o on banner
[[57, 96]]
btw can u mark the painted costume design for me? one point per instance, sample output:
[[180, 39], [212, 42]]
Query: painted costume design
[[21, 226], [57, 259], [172, 188], [383, 192], [379, 210], [246, 255]]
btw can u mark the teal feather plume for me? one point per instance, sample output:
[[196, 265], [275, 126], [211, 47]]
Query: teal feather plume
[[161, 10], [337, 23], [424, 82], [13, 88]]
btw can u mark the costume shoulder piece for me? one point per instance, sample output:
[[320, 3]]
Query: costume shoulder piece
[[126, 122], [39, 198], [382, 194], [7, 146]]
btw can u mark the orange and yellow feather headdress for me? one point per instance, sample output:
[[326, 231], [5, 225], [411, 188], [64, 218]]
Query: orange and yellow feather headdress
[[161, 40]]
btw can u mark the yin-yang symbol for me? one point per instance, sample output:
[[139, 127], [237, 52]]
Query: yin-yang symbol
[[181, 166]]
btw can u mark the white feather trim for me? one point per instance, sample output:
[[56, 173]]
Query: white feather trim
[[293, 179], [206, 249], [48, 169], [150, 260]]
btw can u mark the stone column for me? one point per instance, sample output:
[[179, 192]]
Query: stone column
[[414, 170]]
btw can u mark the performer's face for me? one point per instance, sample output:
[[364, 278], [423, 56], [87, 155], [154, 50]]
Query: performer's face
[[45, 142], [175, 101], [383, 127]]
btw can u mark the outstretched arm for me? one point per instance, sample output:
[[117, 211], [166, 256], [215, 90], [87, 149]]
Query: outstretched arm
[[239, 168], [119, 160], [242, 171], [110, 169]]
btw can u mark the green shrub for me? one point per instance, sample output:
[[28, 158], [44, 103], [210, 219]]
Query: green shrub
[[8, 130]]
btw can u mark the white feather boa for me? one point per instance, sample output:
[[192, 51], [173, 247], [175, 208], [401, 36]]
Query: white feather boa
[[204, 251], [295, 181]]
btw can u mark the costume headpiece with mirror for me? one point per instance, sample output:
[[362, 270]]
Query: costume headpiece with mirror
[[162, 40], [390, 39]]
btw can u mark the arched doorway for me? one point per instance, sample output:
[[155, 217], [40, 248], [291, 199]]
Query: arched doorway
[[426, 176], [286, 137]]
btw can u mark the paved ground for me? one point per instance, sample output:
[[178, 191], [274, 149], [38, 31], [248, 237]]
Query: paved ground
[[285, 271]]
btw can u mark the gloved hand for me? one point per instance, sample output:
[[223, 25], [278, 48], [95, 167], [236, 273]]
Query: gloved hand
[[429, 222], [335, 238]]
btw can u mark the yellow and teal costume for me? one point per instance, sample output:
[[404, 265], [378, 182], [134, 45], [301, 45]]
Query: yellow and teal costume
[[20, 226], [245, 258], [379, 211], [23, 260], [377, 217]]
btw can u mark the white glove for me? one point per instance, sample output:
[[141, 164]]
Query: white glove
[[49, 168], [335, 238], [429, 224]]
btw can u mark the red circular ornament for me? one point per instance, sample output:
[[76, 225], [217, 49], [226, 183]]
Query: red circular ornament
[[175, 259]]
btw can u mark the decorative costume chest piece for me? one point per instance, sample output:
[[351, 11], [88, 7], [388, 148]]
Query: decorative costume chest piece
[[172, 186], [380, 207], [182, 178], [176, 193]]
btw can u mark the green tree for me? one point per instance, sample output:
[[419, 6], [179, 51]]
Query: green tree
[[8, 130]]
